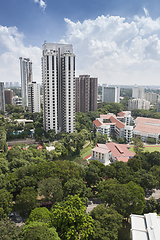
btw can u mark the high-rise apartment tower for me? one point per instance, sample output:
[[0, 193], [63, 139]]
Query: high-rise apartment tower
[[58, 78], [110, 94], [26, 77], [34, 97], [86, 93], [2, 97]]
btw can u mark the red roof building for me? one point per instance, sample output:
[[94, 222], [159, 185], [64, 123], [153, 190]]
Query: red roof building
[[111, 152]]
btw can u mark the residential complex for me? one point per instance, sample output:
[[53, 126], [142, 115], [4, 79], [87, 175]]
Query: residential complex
[[111, 152], [34, 97], [110, 94], [138, 104], [151, 97], [110, 124], [17, 100], [137, 92], [58, 79], [86, 93], [2, 97], [26, 77]]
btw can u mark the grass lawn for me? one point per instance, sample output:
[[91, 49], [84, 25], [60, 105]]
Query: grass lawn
[[85, 152], [148, 148]]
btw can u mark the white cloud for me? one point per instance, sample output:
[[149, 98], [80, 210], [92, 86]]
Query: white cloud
[[41, 3], [116, 50], [11, 41]]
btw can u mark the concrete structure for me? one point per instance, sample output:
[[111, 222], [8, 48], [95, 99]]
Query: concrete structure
[[113, 126], [125, 117], [34, 97], [110, 94], [2, 97], [147, 128], [17, 100], [86, 93], [145, 227], [151, 97], [8, 96], [137, 92], [26, 77], [58, 78], [138, 104], [111, 152], [24, 121], [158, 105]]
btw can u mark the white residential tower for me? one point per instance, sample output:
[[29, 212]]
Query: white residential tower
[[58, 78]]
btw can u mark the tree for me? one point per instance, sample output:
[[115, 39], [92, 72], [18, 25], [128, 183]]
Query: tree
[[5, 201], [39, 215], [51, 189], [39, 231], [76, 186], [92, 175], [137, 198], [112, 192], [138, 144], [26, 200], [151, 141], [9, 230], [107, 222], [135, 164], [70, 219], [121, 140]]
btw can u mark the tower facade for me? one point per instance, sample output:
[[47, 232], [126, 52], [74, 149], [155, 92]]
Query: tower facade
[[110, 94], [58, 79], [26, 77], [86, 93], [2, 97], [34, 97]]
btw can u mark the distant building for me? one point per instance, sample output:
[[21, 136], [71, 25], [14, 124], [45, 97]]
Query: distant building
[[147, 128], [8, 96], [110, 94], [34, 97], [7, 84], [151, 97], [137, 92], [138, 104], [111, 152], [17, 100], [26, 77], [2, 97], [86, 93]]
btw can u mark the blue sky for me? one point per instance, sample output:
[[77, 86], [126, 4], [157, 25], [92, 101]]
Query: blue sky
[[117, 41]]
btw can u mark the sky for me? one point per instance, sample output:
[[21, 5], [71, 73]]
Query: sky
[[117, 41]]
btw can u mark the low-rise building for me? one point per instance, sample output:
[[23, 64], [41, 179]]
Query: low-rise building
[[110, 124], [147, 128], [111, 152]]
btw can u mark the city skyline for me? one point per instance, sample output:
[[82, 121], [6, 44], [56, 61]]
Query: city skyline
[[116, 41]]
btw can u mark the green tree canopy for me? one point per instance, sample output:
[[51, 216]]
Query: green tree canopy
[[107, 222], [50, 189], [40, 214], [70, 219], [39, 231]]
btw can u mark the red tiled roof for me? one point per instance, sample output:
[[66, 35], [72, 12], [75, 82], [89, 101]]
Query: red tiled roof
[[119, 124], [97, 123], [120, 150], [121, 114], [107, 116], [100, 150], [123, 159]]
